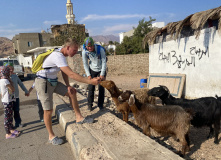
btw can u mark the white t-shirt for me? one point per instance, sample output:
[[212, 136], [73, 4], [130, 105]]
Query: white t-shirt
[[55, 60], [7, 95]]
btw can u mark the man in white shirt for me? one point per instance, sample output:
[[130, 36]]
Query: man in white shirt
[[46, 84]]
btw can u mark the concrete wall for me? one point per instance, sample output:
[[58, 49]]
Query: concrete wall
[[199, 59], [117, 65], [25, 61], [20, 41]]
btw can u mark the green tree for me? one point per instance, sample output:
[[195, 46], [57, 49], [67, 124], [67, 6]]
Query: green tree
[[126, 47], [116, 43], [111, 42], [70, 31], [143, 27], [133, 45], [111, 51]]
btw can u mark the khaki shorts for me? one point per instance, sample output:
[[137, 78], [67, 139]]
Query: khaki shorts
[[47, 98]]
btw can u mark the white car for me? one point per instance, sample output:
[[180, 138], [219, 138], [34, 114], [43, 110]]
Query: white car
[[18, 69]]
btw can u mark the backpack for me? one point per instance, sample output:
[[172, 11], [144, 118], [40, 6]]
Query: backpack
[[98, 51], [37, 65]]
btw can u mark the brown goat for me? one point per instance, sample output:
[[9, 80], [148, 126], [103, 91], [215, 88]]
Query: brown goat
[[167, 121], [115, 92], [122, 107]]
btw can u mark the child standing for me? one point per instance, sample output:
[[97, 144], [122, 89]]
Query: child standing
[[16, 103], [40, 109], [7, 94]]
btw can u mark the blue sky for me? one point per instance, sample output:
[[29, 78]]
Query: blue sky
[[101, 17]]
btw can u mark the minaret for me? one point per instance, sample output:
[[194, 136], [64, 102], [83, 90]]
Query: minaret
[[70, 16]]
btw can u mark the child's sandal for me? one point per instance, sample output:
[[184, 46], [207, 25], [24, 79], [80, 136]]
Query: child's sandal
[[11, 136], [17, 133]]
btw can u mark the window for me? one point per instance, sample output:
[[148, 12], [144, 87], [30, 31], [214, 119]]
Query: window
[[29, 44], [14, 62]]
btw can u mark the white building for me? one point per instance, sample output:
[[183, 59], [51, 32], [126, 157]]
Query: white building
[[158, 24], [197, 58], [111, 47], [123, 34], [131, 32]]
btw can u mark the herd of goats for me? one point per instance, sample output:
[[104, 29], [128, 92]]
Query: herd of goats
[[174, 118]]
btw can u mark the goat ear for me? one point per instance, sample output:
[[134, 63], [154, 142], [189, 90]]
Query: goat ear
[[131, 100], [112, 91], [164, 87]]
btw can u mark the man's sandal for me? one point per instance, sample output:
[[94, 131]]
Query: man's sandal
[[86, 120], [56, 141]]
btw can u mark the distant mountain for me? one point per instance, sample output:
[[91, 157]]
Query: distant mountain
[[106, 39], [6, 47]]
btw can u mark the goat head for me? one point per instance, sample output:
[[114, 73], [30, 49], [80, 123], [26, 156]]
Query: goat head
[[125, 96], [111, 87], [158, 91]]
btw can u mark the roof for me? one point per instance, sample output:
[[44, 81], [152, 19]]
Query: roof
[[41, 49], [195, 21]]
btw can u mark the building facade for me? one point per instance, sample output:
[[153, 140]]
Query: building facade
[[23, 42], [195, 53], [123, 34]]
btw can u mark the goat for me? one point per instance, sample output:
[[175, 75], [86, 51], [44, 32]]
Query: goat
[[141, 94], [217, 97], [206, 110], [168, 121], [115, 92]]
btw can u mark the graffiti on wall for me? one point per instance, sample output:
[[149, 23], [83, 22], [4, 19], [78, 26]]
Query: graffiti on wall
[[183, 61]]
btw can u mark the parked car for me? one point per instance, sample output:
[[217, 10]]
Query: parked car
[[18, 69]]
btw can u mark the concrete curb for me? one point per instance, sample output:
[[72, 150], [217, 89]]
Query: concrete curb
[[85, 139]]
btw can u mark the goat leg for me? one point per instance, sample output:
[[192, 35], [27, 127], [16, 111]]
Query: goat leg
[[211, 132], [146, 130], [125, 116], [185, 147], [188, 142], [217, 128]]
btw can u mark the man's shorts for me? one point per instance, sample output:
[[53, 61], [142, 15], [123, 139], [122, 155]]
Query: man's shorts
[[47, 98]]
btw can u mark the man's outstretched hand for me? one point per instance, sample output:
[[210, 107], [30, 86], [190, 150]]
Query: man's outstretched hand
[[95, 80]]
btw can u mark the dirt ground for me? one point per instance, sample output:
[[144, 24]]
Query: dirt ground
[[201, 148]]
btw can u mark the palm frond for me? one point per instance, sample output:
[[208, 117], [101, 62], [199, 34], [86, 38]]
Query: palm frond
[[151, 36], [219, 24], [180, 25]]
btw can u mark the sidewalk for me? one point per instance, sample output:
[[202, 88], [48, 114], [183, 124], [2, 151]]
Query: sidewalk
[[108, 138], [33, 144]]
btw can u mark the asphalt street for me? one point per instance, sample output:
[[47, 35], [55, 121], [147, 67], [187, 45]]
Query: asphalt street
[[32, 144]]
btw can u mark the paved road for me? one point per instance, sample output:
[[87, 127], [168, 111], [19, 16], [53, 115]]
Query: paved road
[[32, 143]]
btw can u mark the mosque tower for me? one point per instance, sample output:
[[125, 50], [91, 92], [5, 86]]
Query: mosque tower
[[70, 16]]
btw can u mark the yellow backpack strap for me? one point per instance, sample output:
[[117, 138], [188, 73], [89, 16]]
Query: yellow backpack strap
[[37, 65]]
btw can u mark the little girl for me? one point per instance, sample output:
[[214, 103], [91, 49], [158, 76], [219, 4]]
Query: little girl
[[7, 94]]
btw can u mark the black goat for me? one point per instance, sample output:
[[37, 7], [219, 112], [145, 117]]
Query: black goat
[[206, 110], [218, 98]]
